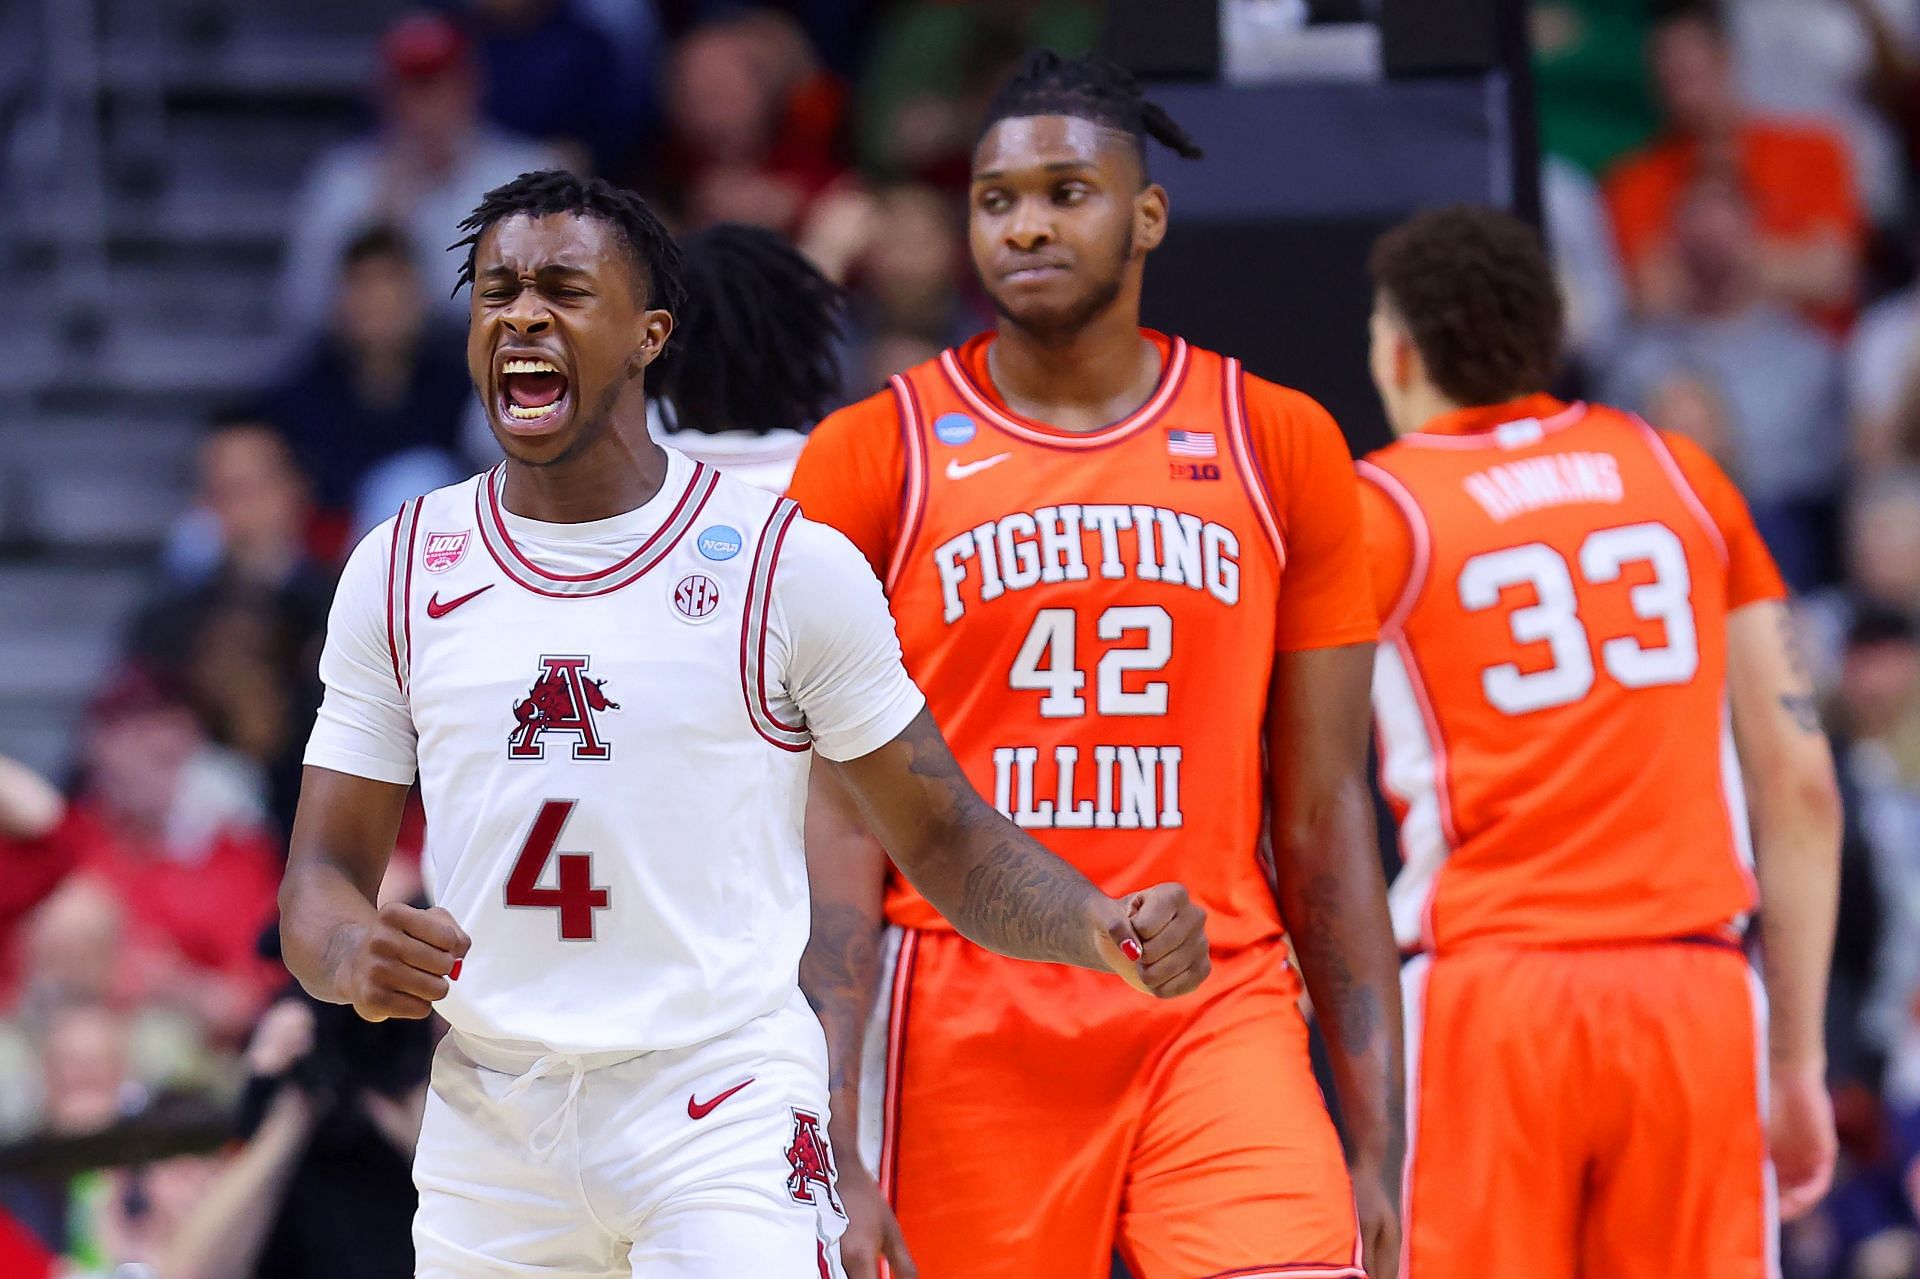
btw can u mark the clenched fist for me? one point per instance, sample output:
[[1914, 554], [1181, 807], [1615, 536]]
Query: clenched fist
[[403, 961], [1156, 939]]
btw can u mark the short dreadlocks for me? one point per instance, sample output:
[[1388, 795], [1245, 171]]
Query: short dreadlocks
[[1088, 89], [550, 191], [757, 346]]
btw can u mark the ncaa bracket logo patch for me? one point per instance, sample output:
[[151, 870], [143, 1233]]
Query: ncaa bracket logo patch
[[954, 428], [443, 551], [696, 597], [719, 542]]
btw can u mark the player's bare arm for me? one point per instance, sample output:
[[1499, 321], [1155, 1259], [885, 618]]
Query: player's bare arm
[[1796, 809], [386, 961], [840, 975], [1001, 889], [1333, 897]]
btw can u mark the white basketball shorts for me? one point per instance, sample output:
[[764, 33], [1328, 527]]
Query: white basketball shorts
[[708, 1162]]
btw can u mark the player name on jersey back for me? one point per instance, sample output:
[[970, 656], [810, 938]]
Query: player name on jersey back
[[1551, 692], [1536, 483]]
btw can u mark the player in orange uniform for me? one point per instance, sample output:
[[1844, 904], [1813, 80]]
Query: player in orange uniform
[[1580, 624], [1126, 574]]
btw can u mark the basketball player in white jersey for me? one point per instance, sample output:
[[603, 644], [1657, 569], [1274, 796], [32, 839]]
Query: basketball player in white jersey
[[607, 663]]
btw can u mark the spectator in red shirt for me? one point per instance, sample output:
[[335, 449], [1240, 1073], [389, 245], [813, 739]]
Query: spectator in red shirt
[[1795, 175], [753, 123], [169, 825], [36, 852]]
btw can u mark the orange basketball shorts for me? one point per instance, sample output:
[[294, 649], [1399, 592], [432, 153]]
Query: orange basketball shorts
[[1587, 1111], [1040, 1117]]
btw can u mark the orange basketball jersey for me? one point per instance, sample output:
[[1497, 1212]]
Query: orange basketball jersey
[[1093, 616], [1550, 694]]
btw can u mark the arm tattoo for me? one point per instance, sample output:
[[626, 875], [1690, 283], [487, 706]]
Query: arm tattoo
[[334, 959], [1014, 896], [1024, 901], [1790, 640], [839, 973], [1800, 704], [1349, 1007], [1803, 710]]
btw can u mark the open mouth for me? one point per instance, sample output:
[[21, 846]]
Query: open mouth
[[532, 391]]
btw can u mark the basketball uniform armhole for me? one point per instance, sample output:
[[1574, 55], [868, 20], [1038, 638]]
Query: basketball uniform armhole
[[1246, 461], [406, 527], [1417, 531], [913, 485], [1682, 485], [753, 633]]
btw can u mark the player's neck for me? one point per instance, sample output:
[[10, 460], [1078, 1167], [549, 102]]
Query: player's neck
[[617, 472], [1082, 381], [1421, 407]]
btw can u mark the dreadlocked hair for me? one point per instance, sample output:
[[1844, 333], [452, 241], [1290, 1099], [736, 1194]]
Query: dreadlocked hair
[[756, 341], [1088, 89], [551, 191]]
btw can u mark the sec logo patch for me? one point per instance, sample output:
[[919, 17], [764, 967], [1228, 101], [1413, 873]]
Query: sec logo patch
[[719, 542], [696, 597], [954, 428]]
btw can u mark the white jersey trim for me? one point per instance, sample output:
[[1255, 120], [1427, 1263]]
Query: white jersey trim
[[1412, 773], [913, 492], [1171, 376], [406, 527], [1678, 477], [1240, 439], [1398, 493], [523, 572], [1490, 437], [753, 633]]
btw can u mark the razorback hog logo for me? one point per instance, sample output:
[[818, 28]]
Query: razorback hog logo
[[812, 1161], [562, 700]]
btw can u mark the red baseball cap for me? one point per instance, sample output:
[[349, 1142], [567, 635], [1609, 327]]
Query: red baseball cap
[[422, 46], [133, 690]]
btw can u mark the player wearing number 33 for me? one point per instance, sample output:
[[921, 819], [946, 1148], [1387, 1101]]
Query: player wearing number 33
[[607, 664], [1585, 646], [1131, 579]]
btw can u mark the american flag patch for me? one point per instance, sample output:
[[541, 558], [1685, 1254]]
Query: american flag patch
[[1191, 444]]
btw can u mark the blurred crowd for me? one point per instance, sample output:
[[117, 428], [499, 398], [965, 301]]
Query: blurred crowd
[[1733, 198]]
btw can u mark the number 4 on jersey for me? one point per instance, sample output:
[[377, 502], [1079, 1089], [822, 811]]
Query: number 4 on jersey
[[575, 897]]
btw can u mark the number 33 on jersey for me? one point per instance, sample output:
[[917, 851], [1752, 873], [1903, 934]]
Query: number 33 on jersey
[[1550, 690]]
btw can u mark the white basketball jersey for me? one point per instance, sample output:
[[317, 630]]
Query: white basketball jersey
[[612, 725]]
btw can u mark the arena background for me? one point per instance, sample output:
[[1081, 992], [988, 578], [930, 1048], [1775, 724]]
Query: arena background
[[233, 346]]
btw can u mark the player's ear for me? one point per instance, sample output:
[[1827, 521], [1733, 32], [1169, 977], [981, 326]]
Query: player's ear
[[653, 329], [1149, 218]]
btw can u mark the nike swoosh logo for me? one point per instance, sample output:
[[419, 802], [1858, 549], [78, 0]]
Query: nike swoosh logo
[[958, 470], [436, 609], [697, 1109]]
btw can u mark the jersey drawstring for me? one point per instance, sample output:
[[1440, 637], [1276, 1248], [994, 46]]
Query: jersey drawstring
[[545, 1066]]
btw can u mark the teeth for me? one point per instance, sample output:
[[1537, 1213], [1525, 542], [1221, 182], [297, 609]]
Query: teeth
[[529, 366], [518, 413]]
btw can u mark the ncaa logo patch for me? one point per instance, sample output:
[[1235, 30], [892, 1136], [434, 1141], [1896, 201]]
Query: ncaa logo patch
[[954, 428], [719, 542], [696, 597], [443, 551]]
